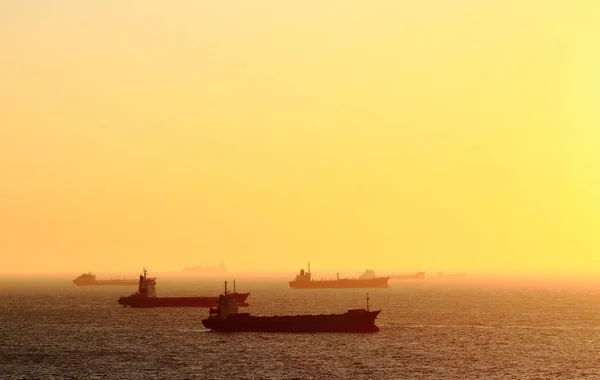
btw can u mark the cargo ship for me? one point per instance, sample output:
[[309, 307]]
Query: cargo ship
[[146, 297], [410, 276], [368, 279], [226, 318], [89, 279]]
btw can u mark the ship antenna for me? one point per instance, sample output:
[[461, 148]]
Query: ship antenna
[[368, 302]]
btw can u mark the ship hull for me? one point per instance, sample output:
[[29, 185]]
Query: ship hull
[[107, 282], [351, 322], [414, 276], [379, 282], [144, 302]]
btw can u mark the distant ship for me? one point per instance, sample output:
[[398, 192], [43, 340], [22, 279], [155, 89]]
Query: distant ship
[[225, 318], [366, 280], [89, 279], [411, 276], [211, 269], [146, 297]]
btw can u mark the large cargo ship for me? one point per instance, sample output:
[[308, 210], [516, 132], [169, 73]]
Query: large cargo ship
[[89, 279], [410, 276], [146, 297], [368, 279], [226, 318]]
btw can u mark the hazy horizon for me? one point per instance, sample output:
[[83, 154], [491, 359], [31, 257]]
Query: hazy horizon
[[458, 136], [282, 276]]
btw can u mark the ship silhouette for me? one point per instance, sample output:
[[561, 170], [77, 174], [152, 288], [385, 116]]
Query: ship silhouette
[[89, 279], [226, 318], [368, 279], [146, 297]]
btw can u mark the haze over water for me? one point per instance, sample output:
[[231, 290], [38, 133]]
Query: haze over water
[[429, 329]]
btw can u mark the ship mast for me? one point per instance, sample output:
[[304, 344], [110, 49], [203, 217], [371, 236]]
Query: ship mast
[[234, 286], [368, 302], [225, 287]]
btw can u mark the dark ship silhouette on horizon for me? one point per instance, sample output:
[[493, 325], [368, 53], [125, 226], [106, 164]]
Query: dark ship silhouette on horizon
[[146, 297], [368, 279], [89, 279], [226, 318]]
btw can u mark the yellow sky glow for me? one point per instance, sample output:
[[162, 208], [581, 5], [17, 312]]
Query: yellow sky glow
[[461, 135]]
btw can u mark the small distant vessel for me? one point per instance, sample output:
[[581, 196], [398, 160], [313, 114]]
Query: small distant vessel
[[366, 280], [146, 297], [411, 276], [226, 318], [211, 269], [89, 279]]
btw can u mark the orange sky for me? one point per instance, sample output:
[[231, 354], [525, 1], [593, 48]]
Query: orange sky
[[458, 135]]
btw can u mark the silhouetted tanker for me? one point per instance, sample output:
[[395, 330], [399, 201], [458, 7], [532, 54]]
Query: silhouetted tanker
[[146, 297], [225, 318], [366, 280], [89, 279]]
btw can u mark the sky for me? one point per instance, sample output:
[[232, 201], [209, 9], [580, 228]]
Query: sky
[[448, 135]]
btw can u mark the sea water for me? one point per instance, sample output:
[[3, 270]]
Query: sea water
[[430, 329]]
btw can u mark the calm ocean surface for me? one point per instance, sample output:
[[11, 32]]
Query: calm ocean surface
[[433, 329]]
